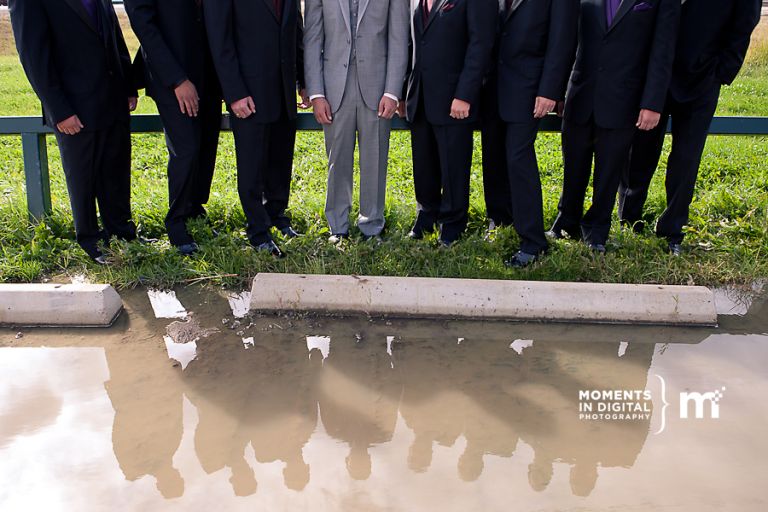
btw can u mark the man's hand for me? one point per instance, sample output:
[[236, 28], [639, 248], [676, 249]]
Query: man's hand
[[387, 107], [243, 108], [459, 109], [402, 109], [186, 94], [70, 126], [648, 120], [305, 103], [132, 104], [543, 107], [322, 110]]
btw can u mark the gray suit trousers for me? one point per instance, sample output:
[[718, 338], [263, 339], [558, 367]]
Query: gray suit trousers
[[354, 120]]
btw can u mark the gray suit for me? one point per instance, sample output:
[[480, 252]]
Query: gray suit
[[355, 52]]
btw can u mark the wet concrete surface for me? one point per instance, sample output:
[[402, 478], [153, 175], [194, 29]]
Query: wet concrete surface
[[207, 409]]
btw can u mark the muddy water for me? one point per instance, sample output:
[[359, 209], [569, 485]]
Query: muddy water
[[184, 406]]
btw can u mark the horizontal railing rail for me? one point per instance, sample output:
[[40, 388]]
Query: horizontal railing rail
[[34, 134]]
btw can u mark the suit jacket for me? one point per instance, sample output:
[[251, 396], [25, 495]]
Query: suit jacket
[[536, 47], [711, 45], [257, 53], [623, 68], [174, 47], [452, 52], [381, 48], [75, 66]]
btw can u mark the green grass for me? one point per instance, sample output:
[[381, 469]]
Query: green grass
[[727, 238]]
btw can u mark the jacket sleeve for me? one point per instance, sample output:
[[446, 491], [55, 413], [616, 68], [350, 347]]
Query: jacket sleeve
[[481, 23], [29, 21], [399, 33], [125, 59], [659, 74], [220, 25], [301, 82], [745, 17], [159, 58], [561, 49], [314, 40]]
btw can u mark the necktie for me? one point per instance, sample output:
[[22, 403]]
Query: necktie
[[508, 5], [611, 6], [279, 9], [90, 8], [429, 4]]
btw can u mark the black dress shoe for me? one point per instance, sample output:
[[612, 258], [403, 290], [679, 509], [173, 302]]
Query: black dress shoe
[[146, 241], [521, 259], [376, 238], [289, 232], [597, 248], [100, 260], [187, 249], [675, 249], [415, 235], [272, 248]]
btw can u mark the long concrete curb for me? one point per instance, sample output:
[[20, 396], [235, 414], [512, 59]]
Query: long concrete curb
[[485, 299], [85, 305]]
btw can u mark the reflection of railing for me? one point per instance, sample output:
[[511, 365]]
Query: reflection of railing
[[33, 137]]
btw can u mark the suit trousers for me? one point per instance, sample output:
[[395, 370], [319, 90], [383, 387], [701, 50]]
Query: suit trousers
[[442, 160], [264, 165], [690, 127], [610, 149], [97, 168], [525, 185], [498, 201], [354, 120], [192, 144]]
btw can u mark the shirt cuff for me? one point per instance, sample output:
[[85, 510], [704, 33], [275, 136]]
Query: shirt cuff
[[392, 97], [315, 96]]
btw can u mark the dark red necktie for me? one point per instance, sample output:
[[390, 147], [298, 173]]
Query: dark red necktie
[[279, 9], [509, 4]]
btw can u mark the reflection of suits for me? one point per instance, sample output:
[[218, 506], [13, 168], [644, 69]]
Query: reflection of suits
[[81, 67], [535, 49], [355, 53], [175, 49], [711, 46], [619, 70], [258, 53], [452, 50]]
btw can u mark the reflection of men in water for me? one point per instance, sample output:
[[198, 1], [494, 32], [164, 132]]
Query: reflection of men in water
[[559, 371], [359, 396], [262, 397], [433, 404], [148, 422]]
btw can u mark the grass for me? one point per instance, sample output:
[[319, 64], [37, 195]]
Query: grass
[[727, 237]]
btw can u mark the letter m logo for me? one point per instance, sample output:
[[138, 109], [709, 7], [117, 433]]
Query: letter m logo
[[700, 400]]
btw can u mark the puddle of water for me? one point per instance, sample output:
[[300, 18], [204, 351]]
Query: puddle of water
[[165, 304], [398, 416]]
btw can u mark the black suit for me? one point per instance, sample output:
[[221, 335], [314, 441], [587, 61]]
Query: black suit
[[258, 52], [535, 48], [711, 45], [619, 70], [174, 48], [80, 66], [453, 45]]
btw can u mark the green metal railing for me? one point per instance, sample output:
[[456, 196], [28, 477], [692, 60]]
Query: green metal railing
[[34, 133]]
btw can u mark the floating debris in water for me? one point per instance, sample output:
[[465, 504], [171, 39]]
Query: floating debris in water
[[623, 348], [184, 353], [239, 303], [165, 304], [321, 343], [520, 345]]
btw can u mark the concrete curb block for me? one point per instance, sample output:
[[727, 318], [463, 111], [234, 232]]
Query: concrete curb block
[[485, 299], [72, 305]]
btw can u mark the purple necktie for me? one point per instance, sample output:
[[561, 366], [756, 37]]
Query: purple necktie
[[90, 8], [611, 6]]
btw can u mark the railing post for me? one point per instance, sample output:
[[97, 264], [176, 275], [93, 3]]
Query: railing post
[[36, 171]]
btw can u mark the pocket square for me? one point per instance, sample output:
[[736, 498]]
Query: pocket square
[[448, 7], [642, 6]]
